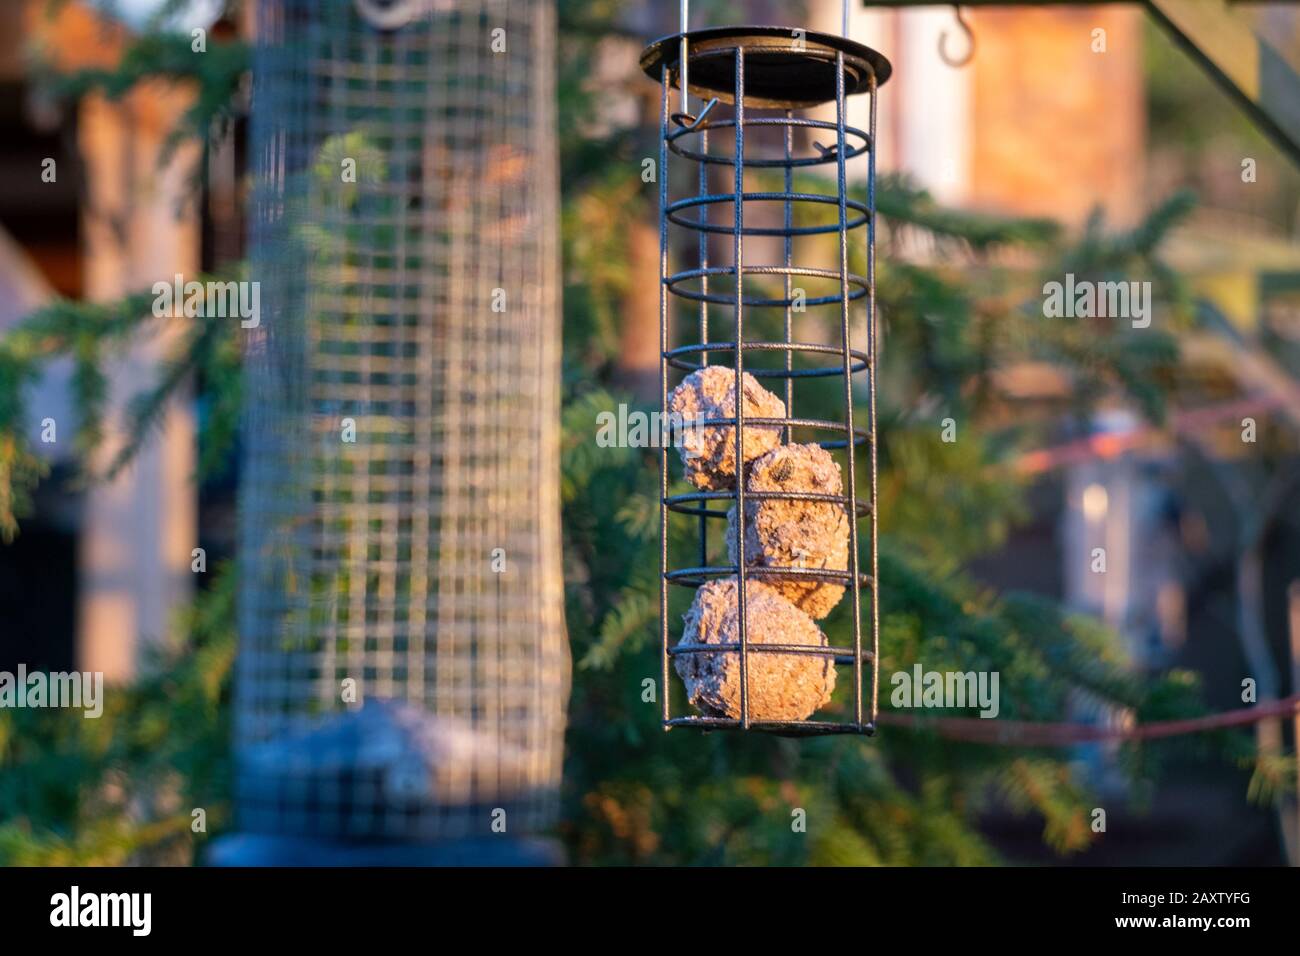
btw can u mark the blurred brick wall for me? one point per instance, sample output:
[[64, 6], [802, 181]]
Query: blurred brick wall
[[1058, 128]]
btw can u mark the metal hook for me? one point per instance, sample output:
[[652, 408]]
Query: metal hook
[[970, 42], [828, 152], [689, 122]]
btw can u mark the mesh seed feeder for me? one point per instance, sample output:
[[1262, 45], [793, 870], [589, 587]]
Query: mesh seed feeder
[[403, 670], [751, 654]]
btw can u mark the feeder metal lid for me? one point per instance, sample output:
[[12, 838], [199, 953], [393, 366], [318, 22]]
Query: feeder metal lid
[[776, 73]]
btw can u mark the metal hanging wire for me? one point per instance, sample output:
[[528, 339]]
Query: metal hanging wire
[[773, 79]]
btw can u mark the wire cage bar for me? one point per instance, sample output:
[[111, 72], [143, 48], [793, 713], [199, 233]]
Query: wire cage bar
[[779, 83]]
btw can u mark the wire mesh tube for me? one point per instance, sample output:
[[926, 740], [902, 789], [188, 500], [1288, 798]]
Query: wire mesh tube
[[772, 80], [403, 669]]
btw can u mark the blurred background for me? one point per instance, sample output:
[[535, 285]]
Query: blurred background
[[1038, 142]]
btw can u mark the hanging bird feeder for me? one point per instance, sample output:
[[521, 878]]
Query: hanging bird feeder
[[403, 669], [760, 398]]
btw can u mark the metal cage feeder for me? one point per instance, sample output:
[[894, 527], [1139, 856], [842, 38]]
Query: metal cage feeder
[[774, 79]]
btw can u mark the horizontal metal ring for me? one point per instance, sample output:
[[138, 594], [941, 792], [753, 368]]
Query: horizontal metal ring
[[788, 728], [696, 577], [673, 502], [794, 162], [861, 361], [811, 650], [713, 199], [861, 286]]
